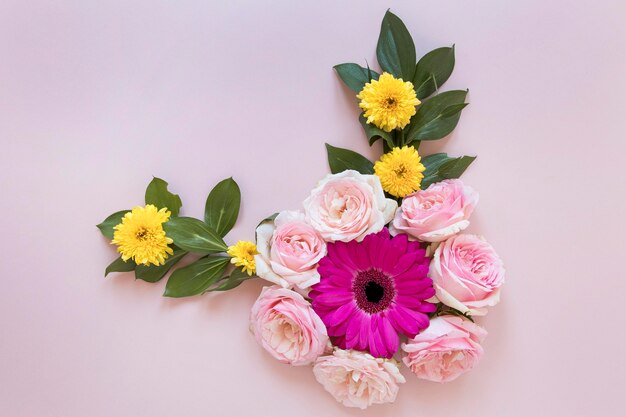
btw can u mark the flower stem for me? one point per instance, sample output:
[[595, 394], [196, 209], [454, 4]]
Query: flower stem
[[400, 138]]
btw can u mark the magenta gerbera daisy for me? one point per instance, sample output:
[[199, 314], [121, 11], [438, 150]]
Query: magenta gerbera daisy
[[371, 292]]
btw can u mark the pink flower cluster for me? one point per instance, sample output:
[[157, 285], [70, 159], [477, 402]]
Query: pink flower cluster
[[354, 286]]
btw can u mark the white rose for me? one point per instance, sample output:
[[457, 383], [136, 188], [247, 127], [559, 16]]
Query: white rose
[[357, 379], [348, 206]]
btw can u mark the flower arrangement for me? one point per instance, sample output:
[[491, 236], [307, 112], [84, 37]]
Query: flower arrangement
[[372, 271]]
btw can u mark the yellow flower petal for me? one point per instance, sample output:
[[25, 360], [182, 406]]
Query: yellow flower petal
[[400, 171], [140, 236], [388, 102], [242, 254]]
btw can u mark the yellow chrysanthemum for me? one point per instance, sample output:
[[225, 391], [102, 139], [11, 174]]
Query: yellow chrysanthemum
[[400, 171], [388, 102], [140, 236], [243, 256]]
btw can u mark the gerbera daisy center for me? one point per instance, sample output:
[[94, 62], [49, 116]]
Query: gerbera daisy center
[[373, 290]]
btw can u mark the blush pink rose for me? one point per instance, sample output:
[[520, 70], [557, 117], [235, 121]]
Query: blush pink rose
[[449, 347], [357, 379], [436, 213], [467, 274], [284, 323], [289, 250], [348, 206]]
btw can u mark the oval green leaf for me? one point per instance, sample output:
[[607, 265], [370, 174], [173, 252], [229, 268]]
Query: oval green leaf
[[232, 281], [432, 71], [107, 226], [158, 195], [222, 206], [119, 265], [440, 167], [194, 236], [355, 76], [197, 277], [373, 133], [154, 273], [437, 117], [395, 50], [340, 159], [456, 167]]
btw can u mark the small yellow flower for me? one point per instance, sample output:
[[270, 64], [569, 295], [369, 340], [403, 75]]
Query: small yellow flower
[[243, 255], [140, 236], [400, 171], [388, 102]]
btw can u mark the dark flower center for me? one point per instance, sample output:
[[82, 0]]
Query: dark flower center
[[142, 234], [373, 290], [400, 171], [390, 101]]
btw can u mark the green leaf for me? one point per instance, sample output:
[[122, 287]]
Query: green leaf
[[194, 236], [453, 110], [158, 195], [440, 167], [432, 70], [232, 281], [106, 227], [222, 206], [197, 277], [154, 273], [340, 159], [437, 117], [355, 76], [432, 164], [372, 75], [119, 265], [395, 50], [456, 167], [373, 133]]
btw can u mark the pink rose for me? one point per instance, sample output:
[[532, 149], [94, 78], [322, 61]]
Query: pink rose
[[289, 250], [436, 213], [284, 323], [348, 206], [357, 379], [449, 347], [467, 274]]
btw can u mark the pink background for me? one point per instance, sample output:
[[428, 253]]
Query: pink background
[[97, 96]]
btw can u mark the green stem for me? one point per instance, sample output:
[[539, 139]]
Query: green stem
[[400, 137]]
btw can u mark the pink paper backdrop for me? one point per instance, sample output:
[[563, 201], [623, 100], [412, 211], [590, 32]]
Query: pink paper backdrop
[[97, 96]]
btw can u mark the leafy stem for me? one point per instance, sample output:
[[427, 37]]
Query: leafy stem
[[399, 136]]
